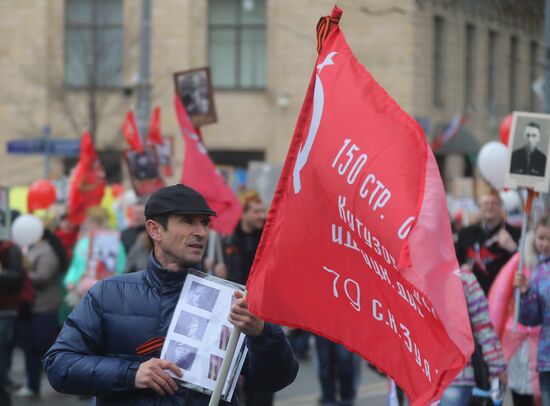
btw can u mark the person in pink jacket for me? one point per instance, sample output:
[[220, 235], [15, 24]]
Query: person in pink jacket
[[520, 346]]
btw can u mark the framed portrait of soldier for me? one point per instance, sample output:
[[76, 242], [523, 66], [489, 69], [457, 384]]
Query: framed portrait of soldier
[[194, 88], [528, 149], [143, 168]]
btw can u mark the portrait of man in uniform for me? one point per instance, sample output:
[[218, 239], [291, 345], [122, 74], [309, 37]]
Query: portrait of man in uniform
[[194, 88], [182, 355], [529, 159]]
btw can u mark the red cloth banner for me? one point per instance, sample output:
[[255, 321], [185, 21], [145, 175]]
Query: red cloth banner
[[357, 246], [87, 183], [155, 136], [200, 173], [131, 132]]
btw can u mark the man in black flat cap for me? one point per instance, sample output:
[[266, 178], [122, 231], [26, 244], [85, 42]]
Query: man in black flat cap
[[110, 344]]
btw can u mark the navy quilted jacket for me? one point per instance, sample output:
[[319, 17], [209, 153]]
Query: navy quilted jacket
[[95, 353]]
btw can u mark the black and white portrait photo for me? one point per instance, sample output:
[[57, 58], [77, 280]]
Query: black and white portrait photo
[[202, 296], [144, 171], [182, 355], [528, 147], [529, 159], [191, 325], [194, 89]]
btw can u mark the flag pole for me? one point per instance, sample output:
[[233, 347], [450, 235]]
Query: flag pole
[[526, 214], [224, 369]]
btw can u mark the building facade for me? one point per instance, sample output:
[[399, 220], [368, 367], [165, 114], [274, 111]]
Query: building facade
[[70, 65]]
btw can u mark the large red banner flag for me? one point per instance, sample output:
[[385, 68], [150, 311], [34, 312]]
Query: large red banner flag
[[87, 183], [200, 173], [357, 246]]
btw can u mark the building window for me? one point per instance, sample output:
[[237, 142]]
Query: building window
[[237, 43], [533, 69], [93, 43], [469, 68], [514, 62], [491, 70], [438, 41]]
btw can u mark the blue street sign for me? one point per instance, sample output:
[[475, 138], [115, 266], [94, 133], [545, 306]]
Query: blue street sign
[[64, 147], [32, 146], [57, 146]]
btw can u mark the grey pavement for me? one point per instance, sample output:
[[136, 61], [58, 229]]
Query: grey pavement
[[303, 392]]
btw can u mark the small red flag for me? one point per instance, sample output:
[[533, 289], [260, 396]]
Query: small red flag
[[450, 132], [155, 136], [131, 132], [87, 183], [200, 173], [357, 246]]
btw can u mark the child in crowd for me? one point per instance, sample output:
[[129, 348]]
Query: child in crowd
[[519, 344], [535, 304]]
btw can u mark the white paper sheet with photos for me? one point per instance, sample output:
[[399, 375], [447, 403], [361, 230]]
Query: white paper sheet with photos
[[199, 333]]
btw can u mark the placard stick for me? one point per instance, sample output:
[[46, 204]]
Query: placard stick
[[224, 369], [526, 215]]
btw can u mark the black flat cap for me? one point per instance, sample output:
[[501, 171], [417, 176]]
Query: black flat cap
[[177, 199]]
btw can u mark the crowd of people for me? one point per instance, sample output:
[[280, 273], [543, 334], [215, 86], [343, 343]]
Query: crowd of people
[[110, 342], [513, 355]]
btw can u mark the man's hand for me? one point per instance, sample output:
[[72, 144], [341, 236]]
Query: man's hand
[[241, 317], [151, 374], [521, 282], [505, 240]]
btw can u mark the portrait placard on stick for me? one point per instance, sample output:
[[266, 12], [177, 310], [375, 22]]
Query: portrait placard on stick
[[143, 168], [199, 333], [194, 89], [528, 148]]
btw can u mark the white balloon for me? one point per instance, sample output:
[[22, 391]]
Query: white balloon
[[27, 230], [510, 200], [491, 162]]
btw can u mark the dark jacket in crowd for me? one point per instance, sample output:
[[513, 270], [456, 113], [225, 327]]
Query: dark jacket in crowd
[[477, 247], [239, 251], [129, 236], [11, 276], [96, 351]]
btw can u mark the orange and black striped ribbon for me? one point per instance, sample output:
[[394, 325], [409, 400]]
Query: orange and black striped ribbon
[[150, 346], [324, 25]]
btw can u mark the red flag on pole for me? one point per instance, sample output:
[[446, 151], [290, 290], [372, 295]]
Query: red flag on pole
[[200, 173], [357, 246], [155, 136], [87, 182], [131, 132]]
